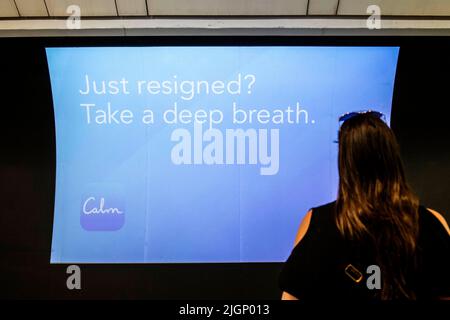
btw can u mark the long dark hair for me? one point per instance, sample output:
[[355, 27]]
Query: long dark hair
[[375, 203]]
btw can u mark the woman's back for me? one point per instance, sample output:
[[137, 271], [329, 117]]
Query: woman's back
[[325, 264]]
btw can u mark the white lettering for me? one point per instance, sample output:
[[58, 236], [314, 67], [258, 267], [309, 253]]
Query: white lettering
[[100, 209]]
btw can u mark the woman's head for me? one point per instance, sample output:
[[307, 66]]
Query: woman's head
[[369, 159], [374, 201]]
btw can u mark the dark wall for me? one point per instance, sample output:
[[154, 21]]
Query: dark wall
[[27, 172], [420, 118]]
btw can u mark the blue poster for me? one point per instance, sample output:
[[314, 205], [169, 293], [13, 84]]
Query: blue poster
[[200, 154]]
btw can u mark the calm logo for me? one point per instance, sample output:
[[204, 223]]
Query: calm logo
[[102, 211]]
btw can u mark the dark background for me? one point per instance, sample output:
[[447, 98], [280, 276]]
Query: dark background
[[27, 171]]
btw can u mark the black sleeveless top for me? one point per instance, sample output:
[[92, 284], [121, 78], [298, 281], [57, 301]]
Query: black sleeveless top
[[318, 267]]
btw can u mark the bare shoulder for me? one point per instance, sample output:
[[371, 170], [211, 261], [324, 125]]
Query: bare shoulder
[[304, 225], [441, 219]]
